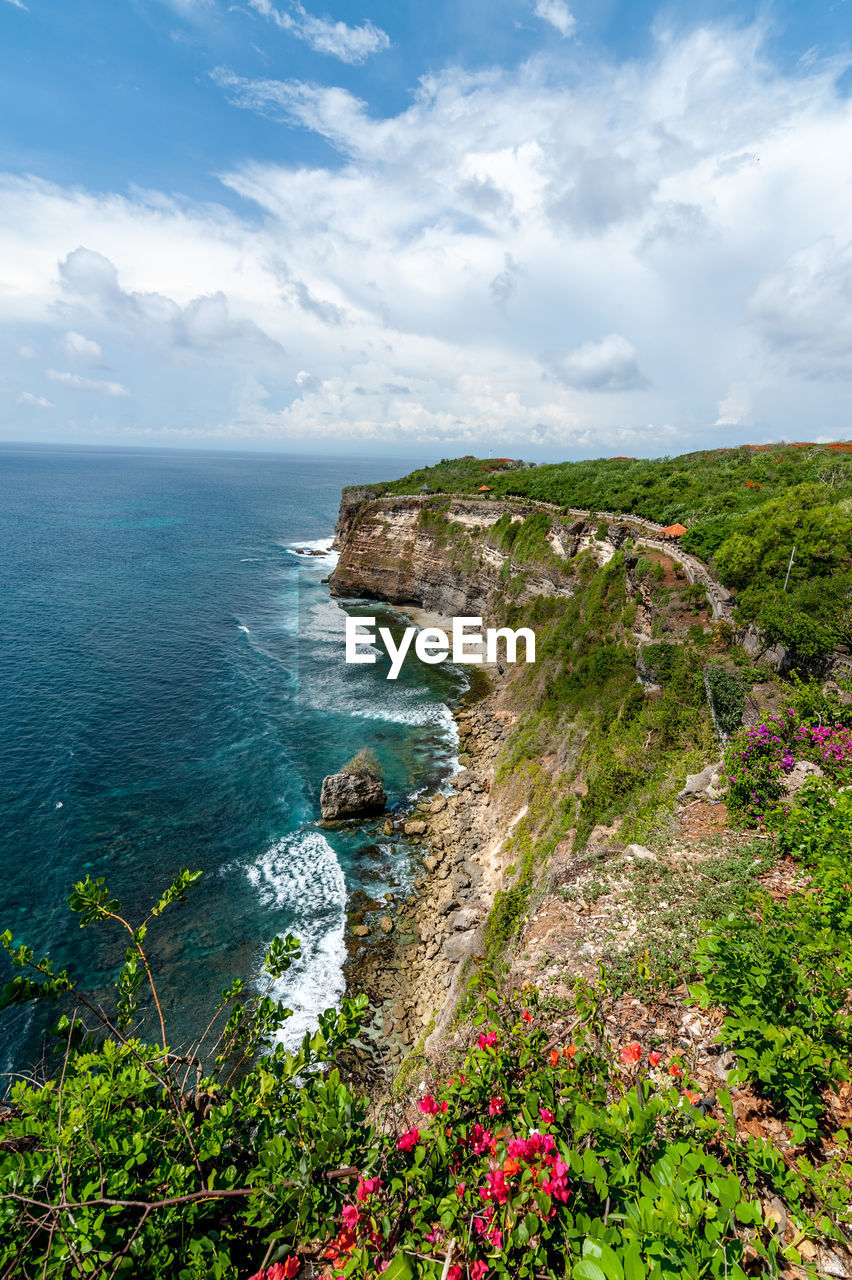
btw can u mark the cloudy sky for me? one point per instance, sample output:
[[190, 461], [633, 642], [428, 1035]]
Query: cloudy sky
[[472, 225]]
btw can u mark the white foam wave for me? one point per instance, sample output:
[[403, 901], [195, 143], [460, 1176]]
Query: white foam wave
[[245, 629], [300, 874], [58, 804], [327, 560]]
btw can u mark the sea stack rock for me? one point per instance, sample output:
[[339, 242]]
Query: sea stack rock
[[351, 794]]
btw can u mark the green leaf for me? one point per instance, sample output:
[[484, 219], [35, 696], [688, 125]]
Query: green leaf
[[402, 1267]]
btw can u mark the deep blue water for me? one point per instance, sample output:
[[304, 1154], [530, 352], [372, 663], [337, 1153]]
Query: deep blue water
[[172, 692]]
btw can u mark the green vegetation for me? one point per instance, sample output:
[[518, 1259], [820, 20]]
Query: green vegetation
[[744, 510], [130, 1160], [364, 761], [728, 697]]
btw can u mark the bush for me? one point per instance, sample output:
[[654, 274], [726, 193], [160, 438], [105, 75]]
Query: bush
[[133, 1160], [364, 761], [727, 696]]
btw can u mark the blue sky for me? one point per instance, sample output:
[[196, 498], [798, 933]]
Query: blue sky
[[523, 224]]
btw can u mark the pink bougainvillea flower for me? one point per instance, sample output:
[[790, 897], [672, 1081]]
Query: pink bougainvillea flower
[[546, 1114], [631, 1052], [351, 1216], [556, 1186], [455, 1272], [284, 1270], [488, 1041], [366, 1187], [258, 1275], [495, 1107], [428, 1105], [526, 1015], [655, 1059], [409, 1140], [497, 1188], [478, 1270], [495, 1235], [480, 1139], [460, 1186]]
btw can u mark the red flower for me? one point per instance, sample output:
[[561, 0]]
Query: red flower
[[694, 1098], [675, 1071], [478, 1270], [569, 1050], [631, 1052], [511, 1167], [408, 1140], [351, 1216], [455, 1272], [480, 1139], [366, 1187], [526, 1015], [460, 1186], [655, 1059], [428, 1105], [489, 1041], [495, 1107], [554, 1057], [546, 1115], [284, 1270], [497, 1189]]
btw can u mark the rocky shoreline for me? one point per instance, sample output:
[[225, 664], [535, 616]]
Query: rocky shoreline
[[408, 955]]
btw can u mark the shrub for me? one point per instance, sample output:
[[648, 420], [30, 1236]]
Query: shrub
[[727, 696], [364, 761]]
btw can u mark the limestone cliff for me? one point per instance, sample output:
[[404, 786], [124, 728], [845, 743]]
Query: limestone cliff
[[437, 554]]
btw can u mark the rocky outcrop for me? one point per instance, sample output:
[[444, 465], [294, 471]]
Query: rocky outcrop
[[414, 551], [351, 795]]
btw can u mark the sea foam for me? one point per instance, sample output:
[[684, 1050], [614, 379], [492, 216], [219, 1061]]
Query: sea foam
[[300, 875]]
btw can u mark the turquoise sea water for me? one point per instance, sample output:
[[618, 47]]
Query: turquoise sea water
[[172, 692]]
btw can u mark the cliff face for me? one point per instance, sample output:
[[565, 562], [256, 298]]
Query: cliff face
[[437, 555]]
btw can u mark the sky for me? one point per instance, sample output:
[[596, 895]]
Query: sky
[[534, 227]]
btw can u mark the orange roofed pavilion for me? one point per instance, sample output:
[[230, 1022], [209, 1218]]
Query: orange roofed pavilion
[[485, 488], [674, 531]]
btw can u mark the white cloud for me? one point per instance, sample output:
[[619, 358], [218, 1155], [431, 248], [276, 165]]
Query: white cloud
[[18, 5], [78, 383], [35, 402], [673, 232], [612, 364], [557, 13], [85, 350], [804, 310], [349, 44], [190, 333]]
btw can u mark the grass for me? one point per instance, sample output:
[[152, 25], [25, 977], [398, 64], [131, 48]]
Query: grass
[[670, 901]]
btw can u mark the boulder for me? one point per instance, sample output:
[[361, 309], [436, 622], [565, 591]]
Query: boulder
[[386, 924], [457, 947], [415, 828], [799, 774], [351, 795], [639, 853], [696, 782], [464, 919]]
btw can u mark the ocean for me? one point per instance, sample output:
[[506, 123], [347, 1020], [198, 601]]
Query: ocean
[[172, 692]]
